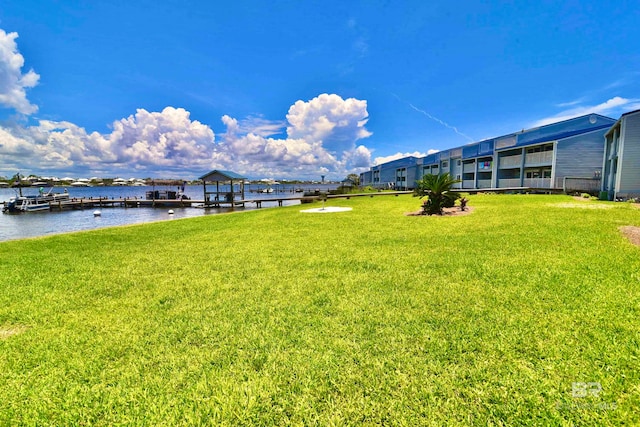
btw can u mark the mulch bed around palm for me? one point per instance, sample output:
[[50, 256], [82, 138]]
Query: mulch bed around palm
[[455, 211]]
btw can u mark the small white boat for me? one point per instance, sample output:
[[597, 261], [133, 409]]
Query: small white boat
[[39, 202]]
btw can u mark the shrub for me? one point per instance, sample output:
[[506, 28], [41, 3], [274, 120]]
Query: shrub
[[437, 188]]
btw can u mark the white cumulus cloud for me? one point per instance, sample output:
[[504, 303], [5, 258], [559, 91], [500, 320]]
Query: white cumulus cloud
[[385, 159], [329, 119], [13, 83], [161, 139], [167, 141], [360, 158], [321, 139]]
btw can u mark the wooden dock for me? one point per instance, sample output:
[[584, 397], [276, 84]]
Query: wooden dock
[[106, 202]]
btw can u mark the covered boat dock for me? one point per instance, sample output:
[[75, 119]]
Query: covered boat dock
[[229, 189]]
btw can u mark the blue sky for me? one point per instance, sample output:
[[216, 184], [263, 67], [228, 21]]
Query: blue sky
[[287, 89]]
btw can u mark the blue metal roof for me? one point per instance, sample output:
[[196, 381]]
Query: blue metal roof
[[469, 151], [560, 135], [403, 162], [582, 124], [486, 147], [430, 159], [478, 149]]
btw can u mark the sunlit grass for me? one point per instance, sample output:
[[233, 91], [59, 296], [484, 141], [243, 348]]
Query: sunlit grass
[[275, 317]]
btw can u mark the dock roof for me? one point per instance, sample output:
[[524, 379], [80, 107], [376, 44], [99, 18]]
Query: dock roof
[[218, 175]]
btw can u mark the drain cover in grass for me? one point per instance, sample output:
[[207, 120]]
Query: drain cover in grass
[[328, 209]]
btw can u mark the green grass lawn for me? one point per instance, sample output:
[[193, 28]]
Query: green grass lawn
[[526, 312]]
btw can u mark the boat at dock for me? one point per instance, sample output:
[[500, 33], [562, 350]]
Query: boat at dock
[[170, 197], [34, 203]]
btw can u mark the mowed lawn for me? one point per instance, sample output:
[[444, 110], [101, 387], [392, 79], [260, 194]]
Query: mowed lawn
[[525, 312]]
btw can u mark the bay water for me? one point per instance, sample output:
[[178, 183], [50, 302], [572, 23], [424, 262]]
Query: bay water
[[34, 224]]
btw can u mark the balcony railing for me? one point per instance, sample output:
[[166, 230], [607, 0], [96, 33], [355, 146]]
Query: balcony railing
[[541, 158], [484, 183], [571, 184], [511, 182], [468, 167], [468, 183], [537, 182], [511, 161]]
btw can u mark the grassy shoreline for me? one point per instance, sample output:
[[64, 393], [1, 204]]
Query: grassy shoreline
[[364, 317]]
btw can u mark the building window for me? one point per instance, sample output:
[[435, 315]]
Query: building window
[[445, 164], [459, 162], [484, 165], [540, 148], [537, 173], [508, 141]]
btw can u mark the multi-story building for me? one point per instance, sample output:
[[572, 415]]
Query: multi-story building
[[397, 174], [621, 165], [546, 157]]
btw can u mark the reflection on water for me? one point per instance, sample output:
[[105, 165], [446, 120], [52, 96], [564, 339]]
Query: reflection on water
[[33, 224]]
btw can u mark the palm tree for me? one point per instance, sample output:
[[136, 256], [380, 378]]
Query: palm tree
[[438, 190]]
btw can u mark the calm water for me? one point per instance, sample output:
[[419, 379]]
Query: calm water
[[33, 224]]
